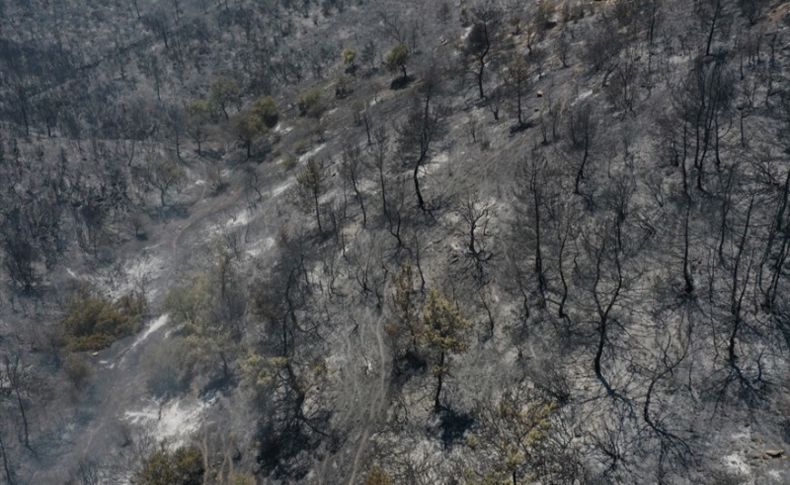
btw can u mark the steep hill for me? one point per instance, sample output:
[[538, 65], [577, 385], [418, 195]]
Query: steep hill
[[394, 242]]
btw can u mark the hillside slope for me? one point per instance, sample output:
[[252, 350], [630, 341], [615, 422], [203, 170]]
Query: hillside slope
[[385, 242]]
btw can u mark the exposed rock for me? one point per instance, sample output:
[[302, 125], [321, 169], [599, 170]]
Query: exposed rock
[[775, 453]]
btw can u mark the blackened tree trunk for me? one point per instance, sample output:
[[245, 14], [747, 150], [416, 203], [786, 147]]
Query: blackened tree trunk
[[437, 403]]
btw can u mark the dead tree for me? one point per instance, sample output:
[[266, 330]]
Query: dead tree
[[604, 303], [778, 235], [608, 285], [737, 292], [518, 83], [671, 444], [563, 221], [352, 168], [704, 107], [475, 215], [421, 128], [581, 132], [380, 147], [487, 16], [311, 183], [713, 15], [17, 380], [530, 195], [688, 279], [6, 465]]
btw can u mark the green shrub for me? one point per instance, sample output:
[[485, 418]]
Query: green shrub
[[311, 103], [241, 479], [181, 467], [349, 56], [93, 322], [377, 476], [397, 58], [265, 109]]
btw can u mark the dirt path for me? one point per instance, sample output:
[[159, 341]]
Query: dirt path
[[119, 379], [377, 401]]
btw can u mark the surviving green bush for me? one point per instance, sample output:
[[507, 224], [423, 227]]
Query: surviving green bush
[[396, 60], [311, 103], [93, 322], [183, 466]]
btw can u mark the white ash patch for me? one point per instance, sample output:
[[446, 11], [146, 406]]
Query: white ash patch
[[280, 128], [153, 246], [134, 273], [172, 422], [307, 156], [155, 325], [260, 247], [278, 190], [368, 185], [736, 463], [583, 95], [465, 34], [241, 218], [436, 163]]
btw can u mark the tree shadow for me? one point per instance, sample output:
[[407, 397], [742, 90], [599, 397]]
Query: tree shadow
[[519, 127], [401, 82], [453, 425], [170, 212], [409, 365]]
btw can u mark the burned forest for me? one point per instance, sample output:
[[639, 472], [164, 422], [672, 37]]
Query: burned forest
[[385, 242]]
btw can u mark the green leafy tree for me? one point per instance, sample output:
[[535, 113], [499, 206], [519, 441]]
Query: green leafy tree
[[256, 122], [349, 59], [164, 176], [310, 186], [183, 466], [242, 479], [248, 127], [198, 118], [512, 435], [223, 94], [311, 103], [397, 59], [93, 322], [406, 327], [444, 333], [265, 109], [209, 309], [377, 476], [259, 372]]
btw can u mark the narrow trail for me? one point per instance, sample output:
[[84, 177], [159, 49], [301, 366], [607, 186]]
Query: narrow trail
[[364, 392], [377, 402], [120, 381], [115, 380]]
